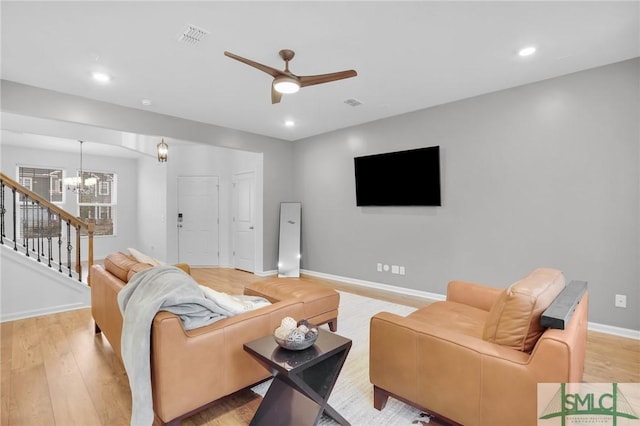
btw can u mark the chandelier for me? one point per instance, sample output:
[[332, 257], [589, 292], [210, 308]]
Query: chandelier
[[77, 184]]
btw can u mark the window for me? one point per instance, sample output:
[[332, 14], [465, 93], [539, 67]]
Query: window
[[45, 182], [35, 222], [100, 203], [104, 188]]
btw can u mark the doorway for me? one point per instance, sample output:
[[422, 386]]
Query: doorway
[[244, 220], [198, 220]]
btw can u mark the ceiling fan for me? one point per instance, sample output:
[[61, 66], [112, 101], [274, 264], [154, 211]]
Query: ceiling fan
[[284, 81]]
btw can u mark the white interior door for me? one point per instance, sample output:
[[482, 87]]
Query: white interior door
[[198, 222], [244, 212]]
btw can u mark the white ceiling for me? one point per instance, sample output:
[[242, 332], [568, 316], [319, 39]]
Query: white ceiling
[[408, 55], [38, 141]]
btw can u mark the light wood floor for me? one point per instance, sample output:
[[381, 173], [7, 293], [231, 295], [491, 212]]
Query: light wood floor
[[56, 371]]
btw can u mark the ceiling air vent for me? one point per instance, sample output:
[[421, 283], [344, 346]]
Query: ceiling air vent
[[353, 102], [192, 35]]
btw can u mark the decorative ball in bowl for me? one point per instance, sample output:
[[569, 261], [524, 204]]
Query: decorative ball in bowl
[[295, 336]]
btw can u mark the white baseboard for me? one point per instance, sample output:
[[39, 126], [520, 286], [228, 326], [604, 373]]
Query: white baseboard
[[226, 266], [212, 266], [616, 331], [258, 273], [45, 311], [378, 286], [593, 326]]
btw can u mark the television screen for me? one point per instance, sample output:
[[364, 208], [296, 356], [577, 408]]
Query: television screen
[[404, 178]]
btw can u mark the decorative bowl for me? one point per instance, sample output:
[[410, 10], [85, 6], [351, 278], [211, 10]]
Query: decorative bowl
[[297, 345], [295, 335]]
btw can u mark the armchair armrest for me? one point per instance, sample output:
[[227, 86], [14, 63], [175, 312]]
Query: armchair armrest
[[476, 295]]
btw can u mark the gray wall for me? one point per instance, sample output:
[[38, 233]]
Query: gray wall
[[540, 175], [277, 154], [151, 209]]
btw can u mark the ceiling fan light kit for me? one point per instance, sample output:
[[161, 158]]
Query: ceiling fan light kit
[[286, 85], [284, 81]]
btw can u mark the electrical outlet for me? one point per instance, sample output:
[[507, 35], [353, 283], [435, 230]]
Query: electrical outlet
[[385, 268], [379, 267], [621, 300], [395, 269], [402, 270]]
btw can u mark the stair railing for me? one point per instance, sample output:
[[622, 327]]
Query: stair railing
[[36, 223]]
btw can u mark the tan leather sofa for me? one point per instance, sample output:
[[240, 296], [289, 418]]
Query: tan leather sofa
[[189, 369], [476, 358]]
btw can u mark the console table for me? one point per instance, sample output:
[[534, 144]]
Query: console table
[[303, 380]]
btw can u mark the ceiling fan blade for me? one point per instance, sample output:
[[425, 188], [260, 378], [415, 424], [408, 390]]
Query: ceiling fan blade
[[269, 70], [310, 80], [275, 95]]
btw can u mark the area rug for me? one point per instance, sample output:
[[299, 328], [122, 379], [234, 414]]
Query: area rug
[[352, 395]]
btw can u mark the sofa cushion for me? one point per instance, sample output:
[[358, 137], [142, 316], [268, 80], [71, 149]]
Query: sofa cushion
[[514, 319], [137, 268], [320, 302], [119, 265], [142, 266]]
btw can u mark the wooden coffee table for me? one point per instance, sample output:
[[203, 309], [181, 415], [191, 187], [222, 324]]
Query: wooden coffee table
[[303, 380]]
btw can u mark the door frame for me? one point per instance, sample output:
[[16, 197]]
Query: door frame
[[257, 220]]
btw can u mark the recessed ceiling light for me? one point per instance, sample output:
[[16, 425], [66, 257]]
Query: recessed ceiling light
[[101, 77], [527, 51], [146, 102], [289, 123]]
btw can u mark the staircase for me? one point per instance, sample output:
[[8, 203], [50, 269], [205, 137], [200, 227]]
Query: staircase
[[41, 255]]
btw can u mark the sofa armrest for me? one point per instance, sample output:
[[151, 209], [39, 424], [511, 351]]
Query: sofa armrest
[[192, 368], [476, 295], [184, 266], [104, 305]]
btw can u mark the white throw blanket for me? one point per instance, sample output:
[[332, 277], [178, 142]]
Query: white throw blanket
[[235, 304], [162, 288]]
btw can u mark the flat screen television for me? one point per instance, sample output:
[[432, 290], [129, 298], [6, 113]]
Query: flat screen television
[[403, 178]]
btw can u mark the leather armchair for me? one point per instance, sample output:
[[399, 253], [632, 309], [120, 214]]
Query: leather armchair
[[476, 358]]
